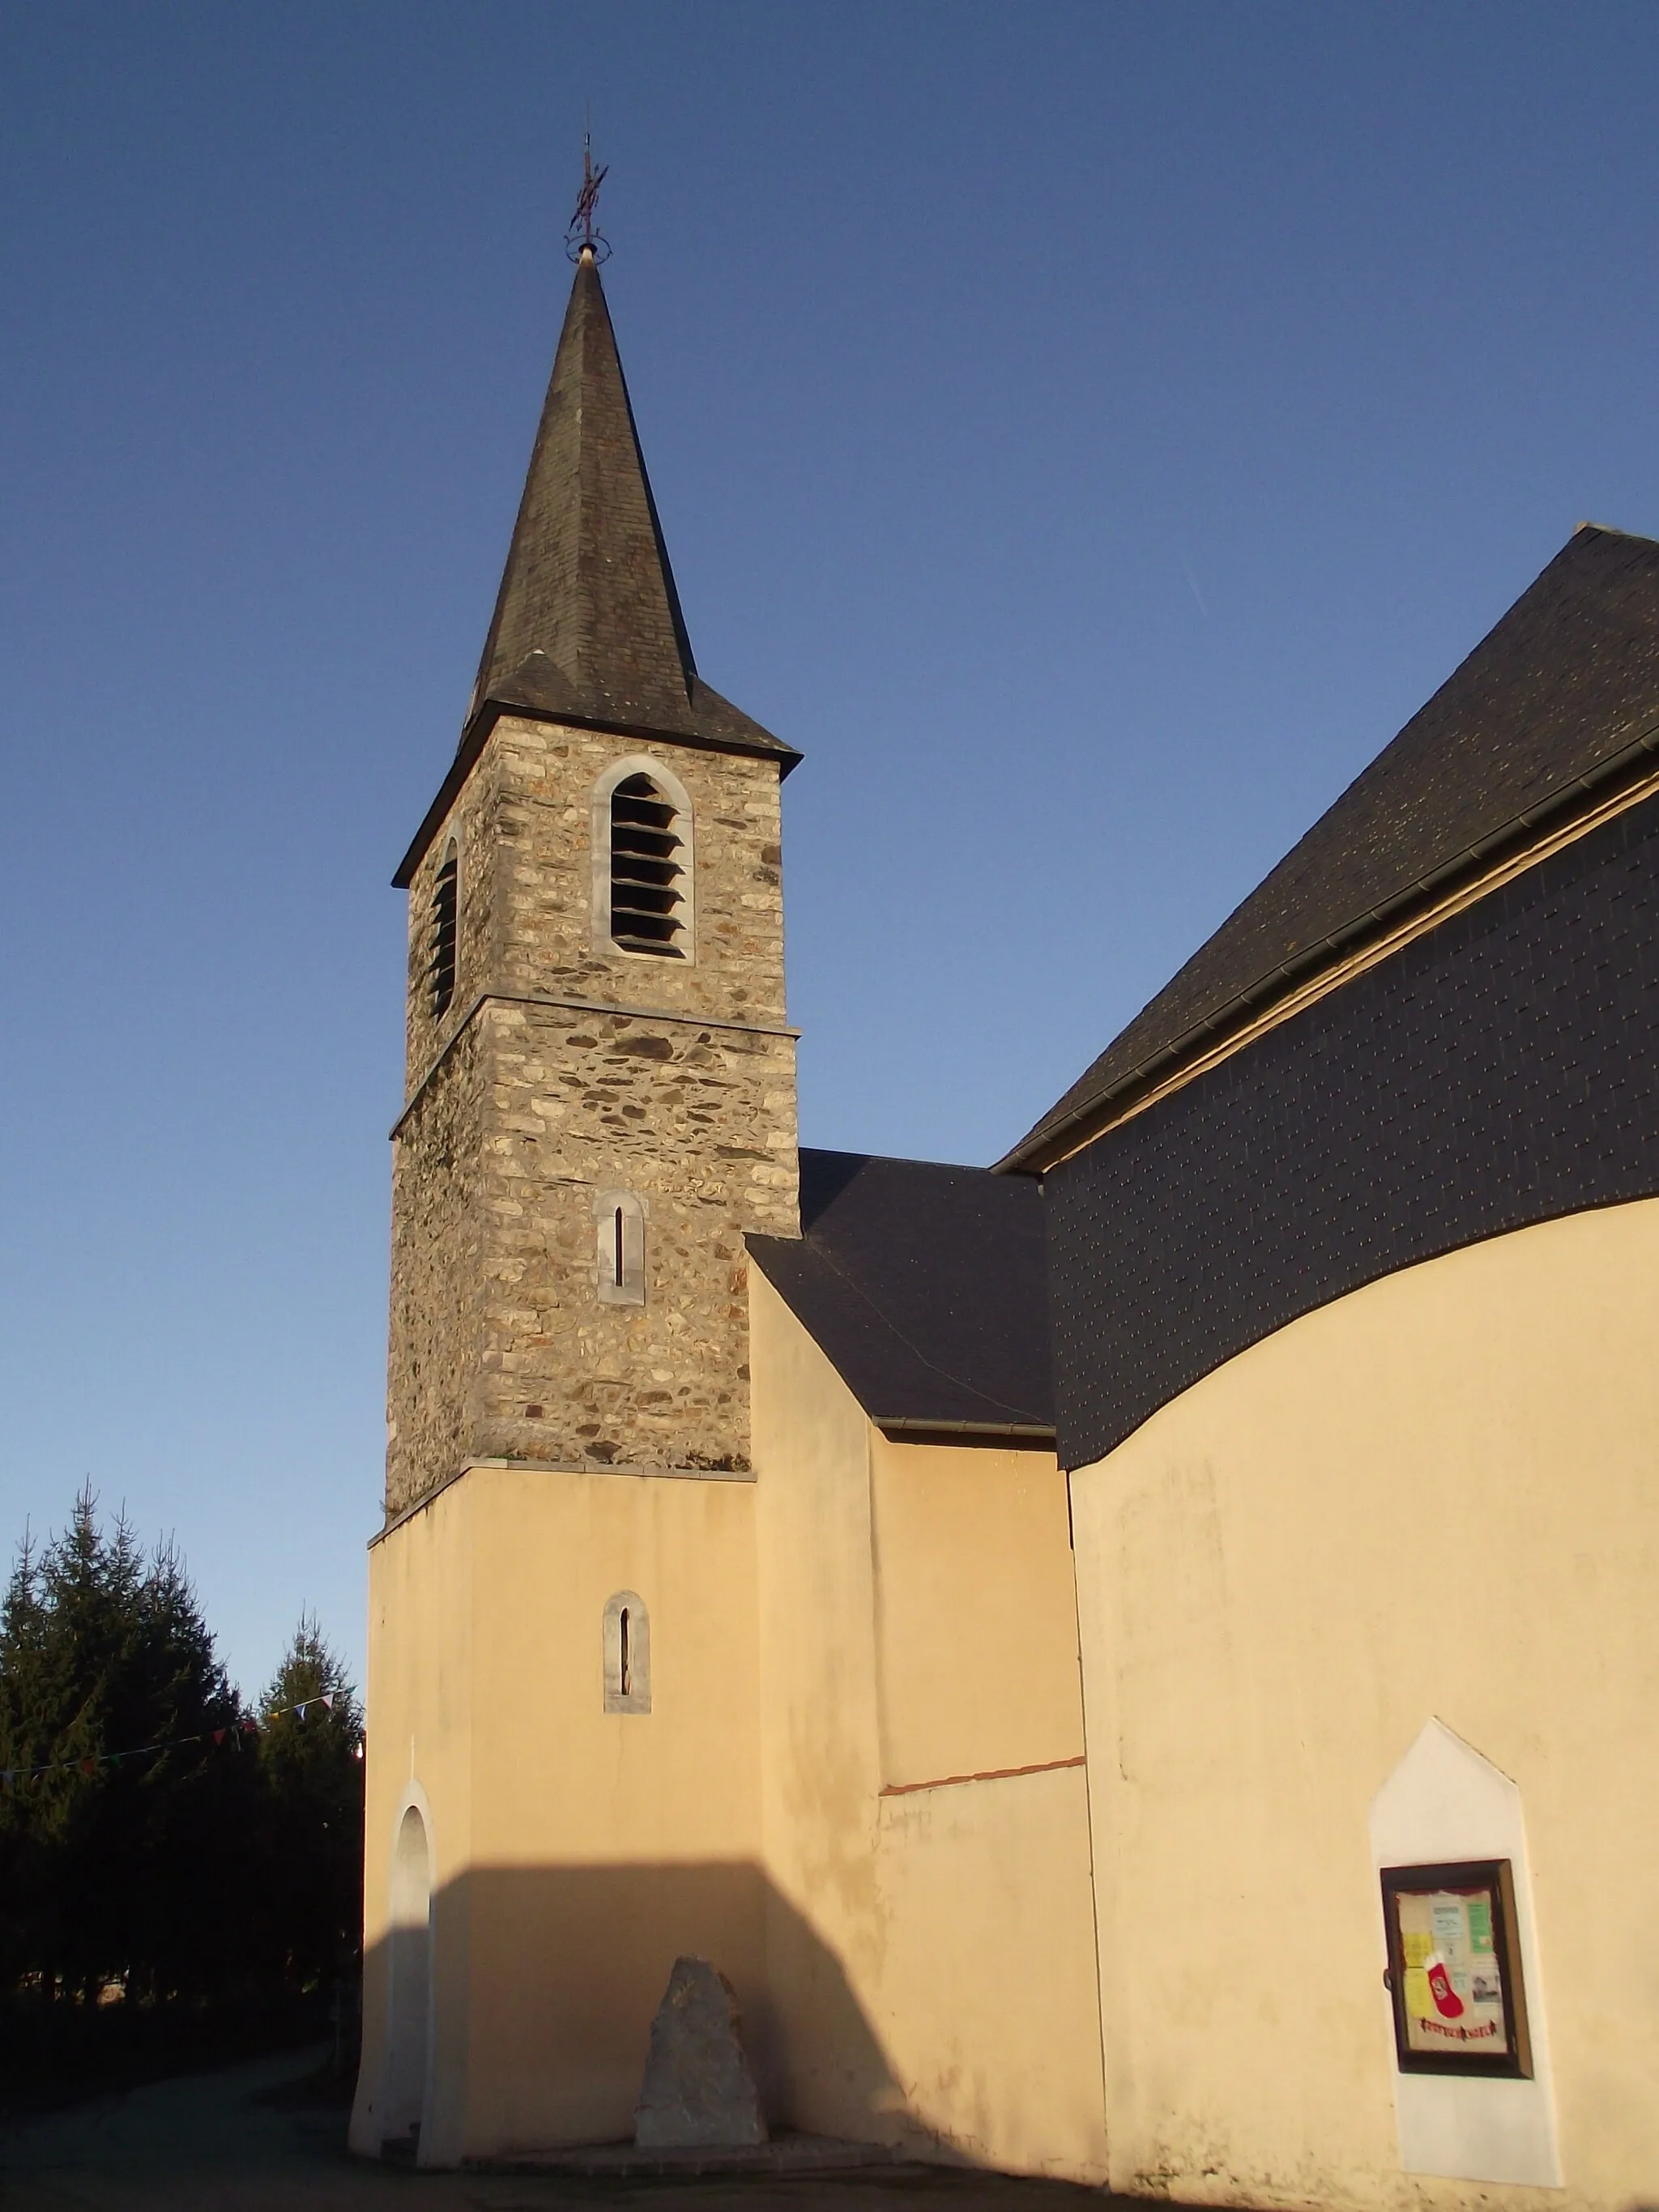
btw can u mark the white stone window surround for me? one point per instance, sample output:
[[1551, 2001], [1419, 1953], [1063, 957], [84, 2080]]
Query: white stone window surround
[[626, 1651], [599, 845], [619, 1243]]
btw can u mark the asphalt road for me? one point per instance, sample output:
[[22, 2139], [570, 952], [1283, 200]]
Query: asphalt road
[[243, 2140]]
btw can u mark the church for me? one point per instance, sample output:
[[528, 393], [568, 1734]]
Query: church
[[1136, 1664]]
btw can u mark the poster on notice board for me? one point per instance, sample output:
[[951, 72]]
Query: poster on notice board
[[1454, 1969]]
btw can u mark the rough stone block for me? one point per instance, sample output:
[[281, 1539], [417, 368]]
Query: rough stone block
[[698, 2088]]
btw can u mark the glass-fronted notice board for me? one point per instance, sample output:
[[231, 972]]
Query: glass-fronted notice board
[[1454, 1969]]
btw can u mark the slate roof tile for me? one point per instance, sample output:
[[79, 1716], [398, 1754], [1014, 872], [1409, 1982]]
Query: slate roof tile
[[926, 1286], [1559, 701], [587, 626]]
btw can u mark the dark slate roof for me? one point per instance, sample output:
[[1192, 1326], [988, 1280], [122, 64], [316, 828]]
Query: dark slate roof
[[926, 1287], [1559, 701], [587, 626]]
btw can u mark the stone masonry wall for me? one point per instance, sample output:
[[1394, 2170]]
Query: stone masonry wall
[[544, 853], [473, 824], [700, 1122], [525, 1109], [522, 825], [439, 1235]]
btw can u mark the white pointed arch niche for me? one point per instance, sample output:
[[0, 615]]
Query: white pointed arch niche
[[1446, 1804], [405, 2111]]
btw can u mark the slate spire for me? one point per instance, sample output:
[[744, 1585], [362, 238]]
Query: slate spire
[[587, 624], [588, 627]]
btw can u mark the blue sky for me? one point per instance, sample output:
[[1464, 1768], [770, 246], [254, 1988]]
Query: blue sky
[[1087, 431]]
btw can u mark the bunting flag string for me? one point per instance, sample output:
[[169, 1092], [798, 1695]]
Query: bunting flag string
[[251, 1724]]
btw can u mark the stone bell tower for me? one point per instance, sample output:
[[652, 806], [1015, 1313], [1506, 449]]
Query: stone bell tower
[[600, 1094]]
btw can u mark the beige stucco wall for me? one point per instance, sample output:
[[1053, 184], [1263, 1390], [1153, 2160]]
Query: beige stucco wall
[[929, 1947], [419, 1703], [835, 1646], [578, 1852], [1437, 1497], [975, 1617]]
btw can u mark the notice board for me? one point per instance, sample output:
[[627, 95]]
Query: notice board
[[1454, 1969]]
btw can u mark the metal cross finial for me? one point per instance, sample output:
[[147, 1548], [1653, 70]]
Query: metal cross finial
[[581, 237]]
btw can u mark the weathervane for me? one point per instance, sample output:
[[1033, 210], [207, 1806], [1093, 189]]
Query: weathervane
[[581, 237]]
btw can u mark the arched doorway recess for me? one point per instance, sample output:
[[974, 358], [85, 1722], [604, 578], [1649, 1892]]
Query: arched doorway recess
[[409, 1992]]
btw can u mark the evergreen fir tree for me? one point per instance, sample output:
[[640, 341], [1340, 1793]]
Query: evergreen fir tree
[[174, 1848], [314, 1817], [124, 1869]]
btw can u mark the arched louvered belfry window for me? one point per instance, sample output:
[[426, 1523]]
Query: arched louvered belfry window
[[649, 883], [441, 936]]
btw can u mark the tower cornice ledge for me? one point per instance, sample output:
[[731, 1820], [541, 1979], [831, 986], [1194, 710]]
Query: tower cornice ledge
[[579, 1006], [477, 734], [631, 1471]]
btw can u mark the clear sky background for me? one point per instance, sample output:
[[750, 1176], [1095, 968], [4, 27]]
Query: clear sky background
[[1087, 431]]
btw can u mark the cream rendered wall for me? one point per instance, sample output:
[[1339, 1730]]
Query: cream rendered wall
[[975, 1612], [1437, 1497], [580, 1851], [986, 1995], [419, 1701], [929, 1947], [608, 1843]]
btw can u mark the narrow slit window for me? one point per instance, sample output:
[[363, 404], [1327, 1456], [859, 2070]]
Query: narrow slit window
[[648, 870], [626, 1654], [619, 1221], [441, 967]]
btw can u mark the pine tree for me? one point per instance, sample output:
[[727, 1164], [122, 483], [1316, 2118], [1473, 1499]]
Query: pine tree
[[207, 1862], [121, 1869], [313, 1823]]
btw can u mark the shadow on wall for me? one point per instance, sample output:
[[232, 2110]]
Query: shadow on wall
[[519, 1999]]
